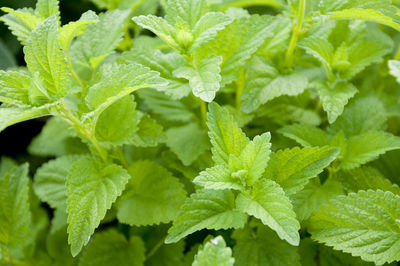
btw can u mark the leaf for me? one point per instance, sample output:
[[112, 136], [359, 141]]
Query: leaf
[[13, 115], [305, 135], [8, 59], [364, 224], [214, 252], [20, 22], [14, 87], [267, 201], [150, 134], [152, 196], [394, 69], [225, 136], [366, 147], [92, 187], [261, 246], [43, 55], [98, 42], [111, 248], [218, 177], [47, 8], [15, 214], [50, 178], [293, 168], [334, 99], [206, 209], [204, 77], [264, 83], [187, 142]]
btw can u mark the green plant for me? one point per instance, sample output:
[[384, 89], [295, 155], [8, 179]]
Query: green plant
[[243, 132]]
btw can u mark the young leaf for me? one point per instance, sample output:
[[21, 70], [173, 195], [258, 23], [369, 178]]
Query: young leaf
[[206, 209], [226, 137], [267, 201], [15, 214], [293, 168], [152, 195], [214, 252], [92, 187], [112, 248], [218, 177], [364, 224], [47, 8], [14, 87]]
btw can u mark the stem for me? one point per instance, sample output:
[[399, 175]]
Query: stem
[[295, 34], [156, 248], [397, 56], [239, 89], [74, 75], [122, 157], [203, 111]]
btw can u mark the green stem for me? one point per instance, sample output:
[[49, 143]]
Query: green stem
[[397, 56], [239, 89], [122, 157], [295, 34], [203, 110], [155, 248]]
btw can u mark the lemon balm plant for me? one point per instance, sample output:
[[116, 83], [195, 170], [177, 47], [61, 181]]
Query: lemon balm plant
[[194, 132]]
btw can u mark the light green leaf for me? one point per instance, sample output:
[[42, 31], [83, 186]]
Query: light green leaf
[[204, 77], [334, 99], [44, 58], [20, 22], [218, 177], [150, 133], [50, 178], [206, 209], [47, 8], [226, 137], [365, 224], [305, 135], [187, 142], [152, 195], [214, 252], [15, 214], [366, 147], [112, 248], [293, 168], [14, 87], [394, 69], [92, 187], [260, 246], [267, 201], [98, 42]]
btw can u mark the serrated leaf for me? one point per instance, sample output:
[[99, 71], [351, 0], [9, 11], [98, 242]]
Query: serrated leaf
[[305, 135], [14, 87], [365, 224], [187, 142], [15, 214], [366, 147], [152, 196], [50, 178], [262, 247], [92, 187], [112, 248], [150, 133], [98, 42], [218, 177], [225, 136], [335, 99], [214, 252], [206, 209], [20, 22], [267, 201], [43, 56], [293, 168], [204, 77], [47, 8]]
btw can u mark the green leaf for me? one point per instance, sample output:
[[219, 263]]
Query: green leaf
[[50, 178], [214, 252], [150, 133], [265, 83], [366, 147], [43, 56], [305, 135], [152, 195], [92, 187], [365, 224], [225, 136], [187, 142], [15, 214], [13, 115], [204, 77], [98, 42], [47, 8], [261, 246], [8, 59], [206, 209], [218, 177], [293, 168], [112, 248], [20, 22], [394, 69], [119, 123], [75, 28], [334, 99], [267, 201], [14, 87]]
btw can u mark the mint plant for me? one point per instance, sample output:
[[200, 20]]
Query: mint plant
[[195, 132]]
